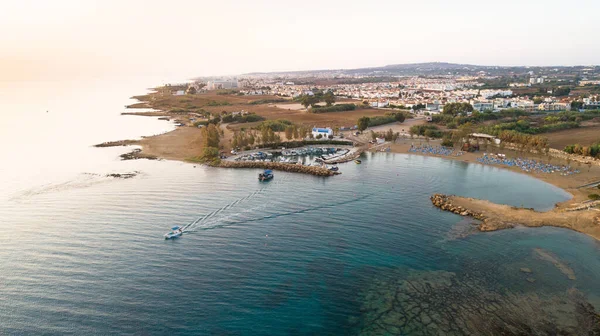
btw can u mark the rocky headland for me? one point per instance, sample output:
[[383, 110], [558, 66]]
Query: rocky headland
[[494, 216]]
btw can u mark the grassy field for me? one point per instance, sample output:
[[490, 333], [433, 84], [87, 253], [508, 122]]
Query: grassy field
[[182, 107], [584, 136]]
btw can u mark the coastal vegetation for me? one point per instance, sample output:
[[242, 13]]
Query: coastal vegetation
[[301, 143], [430, 131], [278, 125], [390, 117], [241, 118], [211, 137], [217, 103], [316, 97], [515, 126], [455, 109], [224, 92], [591, 151], [333, 108], [268, 101], [389, 135]]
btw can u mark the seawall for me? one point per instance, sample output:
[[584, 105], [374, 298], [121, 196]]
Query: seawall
[[294, 168]]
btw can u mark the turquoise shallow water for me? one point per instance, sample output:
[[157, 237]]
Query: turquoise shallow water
[[291, 256]]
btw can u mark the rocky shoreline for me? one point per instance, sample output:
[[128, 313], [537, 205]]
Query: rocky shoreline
[[494, 216]]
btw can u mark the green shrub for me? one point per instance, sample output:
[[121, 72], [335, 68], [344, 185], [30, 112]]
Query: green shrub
[[594, 197], [381, 120], [333, 108], [275, 125], [447, 142], [230, 118], [268, 101]]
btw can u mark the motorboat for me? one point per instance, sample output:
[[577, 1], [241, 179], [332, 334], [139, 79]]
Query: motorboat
[[358, 161], [266, 175], [334, 168], [176, 232]]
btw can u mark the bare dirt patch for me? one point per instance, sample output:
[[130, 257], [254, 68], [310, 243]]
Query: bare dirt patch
[[584, 136]]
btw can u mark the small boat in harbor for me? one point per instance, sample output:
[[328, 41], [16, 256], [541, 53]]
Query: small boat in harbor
[[266, 175], [358, 161], [334, 168], [176, 232]]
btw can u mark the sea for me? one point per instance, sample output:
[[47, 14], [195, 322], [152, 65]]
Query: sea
[[363, 252]]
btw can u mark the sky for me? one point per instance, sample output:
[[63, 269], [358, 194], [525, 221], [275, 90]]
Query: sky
[[73, 38]]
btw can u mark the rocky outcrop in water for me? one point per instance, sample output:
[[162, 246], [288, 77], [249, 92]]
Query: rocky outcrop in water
[[447, 303], [137, 154], [294, 168]]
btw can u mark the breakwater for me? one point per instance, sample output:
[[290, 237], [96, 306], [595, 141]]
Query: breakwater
[[352, 155], [445, 203], [117, 143], [294, 168]]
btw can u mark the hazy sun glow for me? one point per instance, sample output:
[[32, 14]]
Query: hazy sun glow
[[40, 38]]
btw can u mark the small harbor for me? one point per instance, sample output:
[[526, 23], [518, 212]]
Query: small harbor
[[314, 160]]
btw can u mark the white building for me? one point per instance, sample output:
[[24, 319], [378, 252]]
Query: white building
[[323, 131], [539, 80], [215, 85], [482, 106]]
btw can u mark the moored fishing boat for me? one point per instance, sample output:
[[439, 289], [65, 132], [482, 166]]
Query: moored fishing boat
[[266, 175], [358, 161]]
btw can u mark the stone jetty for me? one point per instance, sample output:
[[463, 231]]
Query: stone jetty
[[294, 168], [117, 143], [445, 203]]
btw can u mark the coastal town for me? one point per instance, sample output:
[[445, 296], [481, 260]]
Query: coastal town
[[281, 168], [542, 122], [530, 91]]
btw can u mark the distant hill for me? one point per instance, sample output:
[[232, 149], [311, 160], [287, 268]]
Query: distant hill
[[428, 69]]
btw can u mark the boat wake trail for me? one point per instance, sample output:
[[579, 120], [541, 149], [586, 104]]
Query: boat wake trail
[[212, 222], [83, 180], [217, 213]]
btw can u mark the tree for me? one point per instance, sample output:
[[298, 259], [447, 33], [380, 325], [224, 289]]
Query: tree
[[373, 135], [400, 117], [389, 135], [457, 108], [418, 107], [211, 136], [363, 123], [309, 100], [210, 154], [191, 90], [562, 91], [576, 105], [329, 98], [289, 132], [303, 132]]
